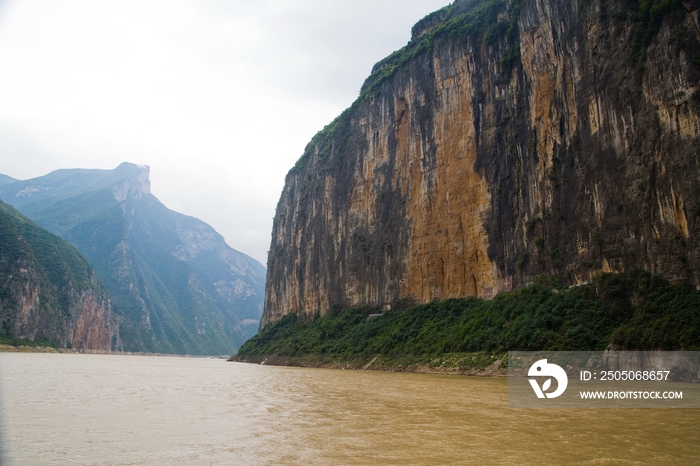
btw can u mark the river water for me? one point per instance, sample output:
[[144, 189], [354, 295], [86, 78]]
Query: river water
[[112, 409]]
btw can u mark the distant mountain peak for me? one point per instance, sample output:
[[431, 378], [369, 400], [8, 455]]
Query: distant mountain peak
[[136, 184], [126, 179], [176, 286], [132, 170]]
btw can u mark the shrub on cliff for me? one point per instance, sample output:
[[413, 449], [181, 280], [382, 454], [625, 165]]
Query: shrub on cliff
[[630, 310]]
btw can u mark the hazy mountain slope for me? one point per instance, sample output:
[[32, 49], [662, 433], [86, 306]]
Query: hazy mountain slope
[[176, 284], [49, 291], [4, 179]]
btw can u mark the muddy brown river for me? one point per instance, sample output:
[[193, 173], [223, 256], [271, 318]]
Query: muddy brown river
[[111, 409]]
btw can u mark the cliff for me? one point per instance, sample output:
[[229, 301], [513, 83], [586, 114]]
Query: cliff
[[48, 291], [507, 140], [176, 286]]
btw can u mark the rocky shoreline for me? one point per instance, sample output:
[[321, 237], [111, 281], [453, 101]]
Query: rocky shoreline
[[469, 364], [34, 349], [50, 349]]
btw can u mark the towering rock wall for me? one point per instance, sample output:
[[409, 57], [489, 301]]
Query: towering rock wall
[[507, 140], [48, 291]]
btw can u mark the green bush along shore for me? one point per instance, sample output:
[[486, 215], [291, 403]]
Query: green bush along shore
[[633, 310]]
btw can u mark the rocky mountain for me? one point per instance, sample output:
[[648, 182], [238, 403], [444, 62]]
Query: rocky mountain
[[176, 286], [48, 291], [508, 139]]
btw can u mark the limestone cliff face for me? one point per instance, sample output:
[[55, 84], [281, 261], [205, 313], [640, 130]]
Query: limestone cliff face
[[48, 291], [95, 328], [507, 140], [135, 186]]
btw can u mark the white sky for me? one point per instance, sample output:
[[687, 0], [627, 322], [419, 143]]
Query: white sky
[[218, 97]]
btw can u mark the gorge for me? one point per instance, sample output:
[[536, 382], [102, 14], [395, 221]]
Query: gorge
[[175, 286]]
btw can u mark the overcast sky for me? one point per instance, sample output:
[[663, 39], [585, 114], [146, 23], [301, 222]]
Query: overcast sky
[[218, 97]]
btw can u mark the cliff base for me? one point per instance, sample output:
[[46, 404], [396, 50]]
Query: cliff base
[[633, 310], [472, 364]]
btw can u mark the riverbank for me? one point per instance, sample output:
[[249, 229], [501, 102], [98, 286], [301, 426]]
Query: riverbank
[[50, 349], [33, 349], [627, 311], [472, 364]]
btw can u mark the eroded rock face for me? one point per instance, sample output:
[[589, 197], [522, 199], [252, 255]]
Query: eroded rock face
[[95, 325], [48, 291], [553, 140]]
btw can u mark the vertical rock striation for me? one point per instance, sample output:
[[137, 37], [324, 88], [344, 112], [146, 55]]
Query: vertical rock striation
[[507, 140]]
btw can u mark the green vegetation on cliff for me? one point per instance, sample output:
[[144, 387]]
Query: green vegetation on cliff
[[631, 310], [39, 273], [475, 22]]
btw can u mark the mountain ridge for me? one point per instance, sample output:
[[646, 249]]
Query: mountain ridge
[[175, 283]]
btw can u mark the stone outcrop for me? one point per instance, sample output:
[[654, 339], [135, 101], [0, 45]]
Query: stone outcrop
[[507, 140], [49, 292], [95, 325]]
